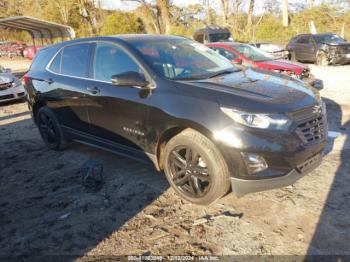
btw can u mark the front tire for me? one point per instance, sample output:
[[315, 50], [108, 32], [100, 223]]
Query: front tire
[[195, 168], [321, 59], [50, 130]]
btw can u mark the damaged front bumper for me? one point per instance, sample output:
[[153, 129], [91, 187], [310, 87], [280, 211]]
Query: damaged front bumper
[[241, 187]]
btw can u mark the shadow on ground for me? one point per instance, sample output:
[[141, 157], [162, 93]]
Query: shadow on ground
[[45, 209], [335, 216]]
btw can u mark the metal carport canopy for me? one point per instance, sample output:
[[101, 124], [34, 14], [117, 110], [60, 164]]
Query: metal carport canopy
[[39, 29]]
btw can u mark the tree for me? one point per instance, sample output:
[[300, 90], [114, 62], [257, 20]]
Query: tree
[[272, 7], [310, 4], [285, 13], [225, 10], [122, 23], [164, 9], [87, 13], [156, 13], [250, 17], [237, 5]]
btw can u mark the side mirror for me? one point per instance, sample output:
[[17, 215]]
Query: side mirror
[[237, 61], [317, 84], [130, 79]]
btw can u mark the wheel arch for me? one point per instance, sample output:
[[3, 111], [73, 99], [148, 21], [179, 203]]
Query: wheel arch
[[172, 132], [36, 106]]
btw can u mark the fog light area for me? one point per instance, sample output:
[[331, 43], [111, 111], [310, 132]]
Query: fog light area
[[254, 163]]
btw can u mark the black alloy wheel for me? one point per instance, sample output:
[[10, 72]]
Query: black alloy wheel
[[49, 129], [195, 168], [189, 172]]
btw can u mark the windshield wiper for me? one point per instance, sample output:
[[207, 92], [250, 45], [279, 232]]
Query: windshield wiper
[[186, 78], [224, 72]]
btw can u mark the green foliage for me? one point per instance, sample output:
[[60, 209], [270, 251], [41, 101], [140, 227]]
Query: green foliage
[[271, 29], [329, 17], [324, 17], [122, 23]]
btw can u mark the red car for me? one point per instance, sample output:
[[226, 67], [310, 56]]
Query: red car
[[30, 51], [248, 55]]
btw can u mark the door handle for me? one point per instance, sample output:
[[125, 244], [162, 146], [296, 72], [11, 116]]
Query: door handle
[[93, 90]]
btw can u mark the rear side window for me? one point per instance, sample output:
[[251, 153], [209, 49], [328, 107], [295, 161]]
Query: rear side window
[[75, 60], [111, 60], [41, 59], [303, 39]]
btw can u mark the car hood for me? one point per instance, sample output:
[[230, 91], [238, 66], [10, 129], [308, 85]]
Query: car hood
[[272, 48], [6, 78], [345, 46], [282, 64], [256, 90]]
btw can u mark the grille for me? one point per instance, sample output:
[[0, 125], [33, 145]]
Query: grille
[[5, 86], [306, 113], [6, 97], [312, 131], [311, 123]]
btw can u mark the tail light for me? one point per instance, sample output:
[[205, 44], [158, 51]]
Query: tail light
[[25, 79]]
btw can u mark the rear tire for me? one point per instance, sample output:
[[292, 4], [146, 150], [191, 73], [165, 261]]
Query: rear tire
[[293, 57], [50, 130], [195, 168]]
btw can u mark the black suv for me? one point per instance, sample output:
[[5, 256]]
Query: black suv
[[210, 126], [323, 49]]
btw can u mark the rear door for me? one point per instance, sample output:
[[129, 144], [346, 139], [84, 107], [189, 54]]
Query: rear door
[[67, 95]]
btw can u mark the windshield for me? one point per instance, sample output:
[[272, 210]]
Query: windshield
[[220, 37], [182, 59], [253, 53], [330, 39]]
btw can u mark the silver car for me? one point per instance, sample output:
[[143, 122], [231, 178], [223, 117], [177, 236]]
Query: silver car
[[11, 87]]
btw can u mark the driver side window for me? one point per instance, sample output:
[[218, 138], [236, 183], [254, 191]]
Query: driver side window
[[112, 60]]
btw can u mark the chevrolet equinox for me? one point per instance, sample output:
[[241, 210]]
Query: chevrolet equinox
[[210, 126]]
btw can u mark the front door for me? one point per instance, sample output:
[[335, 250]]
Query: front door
[[117, 113]]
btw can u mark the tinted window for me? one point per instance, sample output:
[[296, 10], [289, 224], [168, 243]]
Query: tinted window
[[230, 56], [329, 39], [220, 37], [253, 53], [56, 63], [75, 60], [303, 39], [41, 59], [111, 60]]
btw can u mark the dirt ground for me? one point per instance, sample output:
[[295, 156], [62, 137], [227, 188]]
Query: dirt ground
[[45, 209]]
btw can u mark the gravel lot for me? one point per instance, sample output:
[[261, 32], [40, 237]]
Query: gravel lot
[[45, 210]]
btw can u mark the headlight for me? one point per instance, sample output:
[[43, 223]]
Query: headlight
[[15, 83], [264, 121]]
